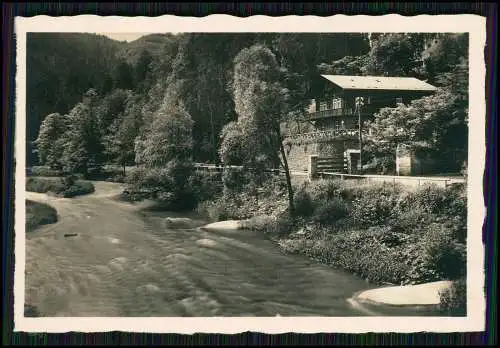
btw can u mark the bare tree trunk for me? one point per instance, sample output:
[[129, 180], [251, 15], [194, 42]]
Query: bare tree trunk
[[287, 175]]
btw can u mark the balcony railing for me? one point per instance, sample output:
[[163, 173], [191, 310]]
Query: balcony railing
[[366, 111], [331, 113], [325, 135]]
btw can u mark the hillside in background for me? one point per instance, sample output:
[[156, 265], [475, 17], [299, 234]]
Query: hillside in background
[[153, 43]]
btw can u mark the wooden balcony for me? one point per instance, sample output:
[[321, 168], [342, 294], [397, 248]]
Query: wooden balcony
[[366, 111], [322, 136], [331, 113]]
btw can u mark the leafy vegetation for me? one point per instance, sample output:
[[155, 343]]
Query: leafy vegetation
[[63, 186], [453, 300], [38, 214]]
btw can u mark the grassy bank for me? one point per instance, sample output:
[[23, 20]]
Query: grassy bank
[[60, 186], [38, 214], [379, 232]]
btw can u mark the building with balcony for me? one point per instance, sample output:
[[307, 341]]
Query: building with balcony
[[335, 118]]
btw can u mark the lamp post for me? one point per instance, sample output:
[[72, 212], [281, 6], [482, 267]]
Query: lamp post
[[359, 104]]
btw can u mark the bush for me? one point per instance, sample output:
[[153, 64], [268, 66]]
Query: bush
[[78, 188], [303, 202], [38, 214], [375, 205], [168, 185], [411, 221], [206, 186], [443, 253], [66, 186], [324, 190], [330, 211], [355, 251], [44, 185], [234, 179], [453, 300], [69, 180], [450, 201]]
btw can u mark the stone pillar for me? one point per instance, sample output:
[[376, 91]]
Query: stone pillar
[[404, 160], [313, 167]]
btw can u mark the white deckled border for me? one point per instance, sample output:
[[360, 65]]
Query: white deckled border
[[474, 25]]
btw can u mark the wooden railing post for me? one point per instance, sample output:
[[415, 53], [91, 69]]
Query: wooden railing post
[[313, 167]]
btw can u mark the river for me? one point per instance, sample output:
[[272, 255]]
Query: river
[[123, 261]]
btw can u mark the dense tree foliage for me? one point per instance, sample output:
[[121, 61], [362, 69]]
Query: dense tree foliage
[[261, 103], [83, 148], [220, 94], [169, 137], [50, 142], [438, 123], [63, 66]]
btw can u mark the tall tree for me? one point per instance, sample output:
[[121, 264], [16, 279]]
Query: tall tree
[[261, 102], [83, 148], [396, 54], [120, 140], [169, 136], [111, 107], [431, 122], [49, 144]]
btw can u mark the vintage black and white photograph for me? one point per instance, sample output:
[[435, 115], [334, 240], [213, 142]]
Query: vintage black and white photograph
[[248, 174]]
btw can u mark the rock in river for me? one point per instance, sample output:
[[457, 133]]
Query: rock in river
[[172, 222]]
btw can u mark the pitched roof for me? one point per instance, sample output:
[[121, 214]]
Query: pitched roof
[[379, 82]]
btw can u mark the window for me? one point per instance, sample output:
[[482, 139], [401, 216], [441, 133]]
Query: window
[[399, 100], [323, 106], [337, 103]]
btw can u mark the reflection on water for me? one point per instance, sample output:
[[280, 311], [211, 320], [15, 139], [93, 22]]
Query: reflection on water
[[130, 263]]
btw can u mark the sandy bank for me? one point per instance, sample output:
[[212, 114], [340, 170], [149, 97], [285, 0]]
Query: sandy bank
[[410, 295]]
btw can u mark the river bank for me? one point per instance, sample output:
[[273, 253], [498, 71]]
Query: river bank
[[386, 235], [420, 297], [125, 262]]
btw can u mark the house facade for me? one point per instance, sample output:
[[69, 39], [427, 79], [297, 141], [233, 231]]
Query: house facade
[[335, 119]]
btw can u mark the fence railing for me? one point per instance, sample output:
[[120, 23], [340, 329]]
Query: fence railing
[[213, 167], [415, 181], [323, 135]]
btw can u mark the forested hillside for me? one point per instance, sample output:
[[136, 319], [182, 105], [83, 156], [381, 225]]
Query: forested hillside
[[62, 67], [130, 81]]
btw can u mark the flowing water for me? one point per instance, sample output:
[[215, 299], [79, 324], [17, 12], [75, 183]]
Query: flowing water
[[117, 260]]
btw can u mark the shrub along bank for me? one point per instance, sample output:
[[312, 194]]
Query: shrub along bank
[[38, 214], [107, 173], [63, 186]]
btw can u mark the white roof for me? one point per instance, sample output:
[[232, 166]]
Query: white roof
[[379, 82]]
